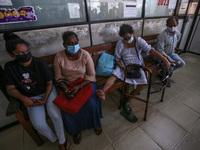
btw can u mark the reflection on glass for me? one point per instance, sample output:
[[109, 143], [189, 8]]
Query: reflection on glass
[[74, 10], [50, 12], [155, 8], [112, 9], [183, 7], [192, 8]]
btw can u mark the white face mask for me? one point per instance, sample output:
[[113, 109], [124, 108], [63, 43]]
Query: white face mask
[[172, 29]]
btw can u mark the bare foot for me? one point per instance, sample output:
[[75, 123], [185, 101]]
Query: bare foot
[[66, 146], [62, 147], [101, 94]]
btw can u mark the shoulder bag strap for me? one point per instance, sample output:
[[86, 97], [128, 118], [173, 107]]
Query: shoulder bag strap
[[136, 49], [136, 52]]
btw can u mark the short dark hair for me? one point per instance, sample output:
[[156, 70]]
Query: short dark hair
[[125, 28], [172, 18], [67, 34], [12, 40]]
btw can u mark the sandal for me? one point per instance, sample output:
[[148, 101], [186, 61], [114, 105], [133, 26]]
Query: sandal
[[98, 130], [127, 108], [68, 145], [130, 117], [77, 138]]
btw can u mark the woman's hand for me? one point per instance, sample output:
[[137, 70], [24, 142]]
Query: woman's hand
[[176, 62], [40, 102], [75, 90], [123, 68], [71, 93], [28, 102]]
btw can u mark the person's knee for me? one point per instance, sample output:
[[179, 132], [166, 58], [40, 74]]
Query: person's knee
[[112, 78], [182, 64], [39, 126], [54, 112]]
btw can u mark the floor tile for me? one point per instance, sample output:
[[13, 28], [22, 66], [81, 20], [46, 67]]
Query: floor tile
[[155, 98], [136, 139], [175, 89], [195, 131], [109, 106], [188, 143], [190, 99], [138, 109], [91, 141], [194, 87], [180, 113], [115, 126], [16, 138], [185, 73], [110, 147], [163, 130], [181, 80]]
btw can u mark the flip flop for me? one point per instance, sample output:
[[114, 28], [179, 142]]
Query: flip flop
[[130, 117], [98, 130], [68, 145], [77, 138]]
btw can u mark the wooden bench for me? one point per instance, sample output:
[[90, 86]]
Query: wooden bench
[[15, 107]]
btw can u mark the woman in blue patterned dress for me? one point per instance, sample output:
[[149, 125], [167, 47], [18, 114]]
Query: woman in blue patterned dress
[[125, 53]]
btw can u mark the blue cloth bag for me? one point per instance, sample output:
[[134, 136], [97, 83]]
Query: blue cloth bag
[[105, 65]]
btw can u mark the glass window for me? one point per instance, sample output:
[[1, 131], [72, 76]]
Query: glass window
[[114, 9], [46, 12], [192, 8], [155, 8], [183, 7]]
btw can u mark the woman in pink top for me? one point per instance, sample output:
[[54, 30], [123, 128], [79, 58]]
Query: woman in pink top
[[71, 64]]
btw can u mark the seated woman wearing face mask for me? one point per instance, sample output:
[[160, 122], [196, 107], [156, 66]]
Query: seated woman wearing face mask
[[29, 79], [71, 64]]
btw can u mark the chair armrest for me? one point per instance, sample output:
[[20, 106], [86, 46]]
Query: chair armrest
[[13, 106], [178, 50]]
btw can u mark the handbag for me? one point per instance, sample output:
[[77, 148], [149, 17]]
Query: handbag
[[133, 71], [74, 104]]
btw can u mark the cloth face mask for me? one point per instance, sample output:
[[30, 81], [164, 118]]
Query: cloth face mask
[[23, 58]]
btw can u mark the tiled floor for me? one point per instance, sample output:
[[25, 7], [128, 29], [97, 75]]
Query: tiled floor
[[173, 124]]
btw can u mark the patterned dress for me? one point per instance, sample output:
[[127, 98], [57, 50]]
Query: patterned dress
[[129, 56]]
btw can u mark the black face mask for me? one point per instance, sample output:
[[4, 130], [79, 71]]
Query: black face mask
[[24, 58]]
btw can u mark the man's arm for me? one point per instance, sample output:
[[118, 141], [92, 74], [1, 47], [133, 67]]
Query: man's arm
[[159, 56]]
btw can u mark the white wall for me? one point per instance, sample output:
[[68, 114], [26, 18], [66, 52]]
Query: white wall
[[3, 105]]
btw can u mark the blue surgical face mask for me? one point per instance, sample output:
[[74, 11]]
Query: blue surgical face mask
[[129, 41], [73, 49]]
